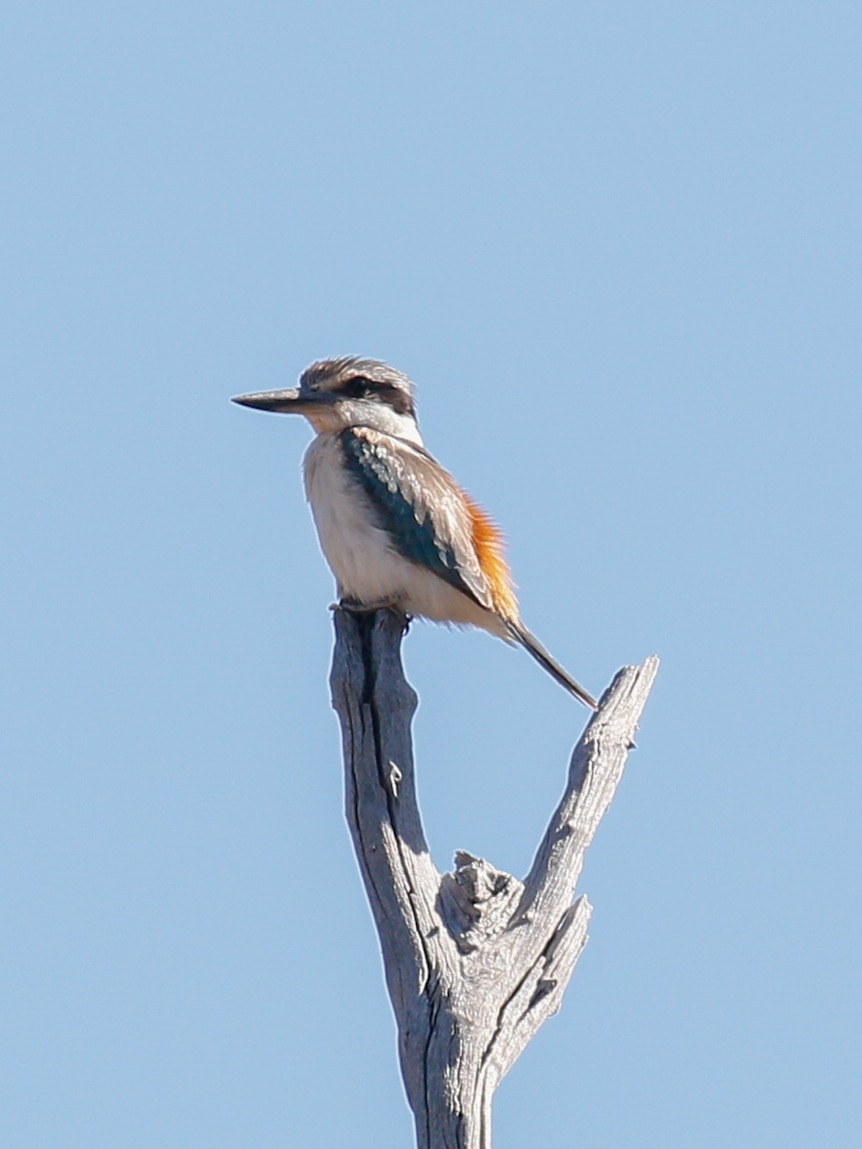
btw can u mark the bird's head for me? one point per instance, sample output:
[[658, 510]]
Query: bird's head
[[349, 392]]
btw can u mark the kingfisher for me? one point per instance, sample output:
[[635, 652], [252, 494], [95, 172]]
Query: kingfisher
[[395, 527]]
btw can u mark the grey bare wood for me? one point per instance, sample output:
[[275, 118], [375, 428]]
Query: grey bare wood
[[475, 960]]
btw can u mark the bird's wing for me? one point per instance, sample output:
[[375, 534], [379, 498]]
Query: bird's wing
[[429, 519]]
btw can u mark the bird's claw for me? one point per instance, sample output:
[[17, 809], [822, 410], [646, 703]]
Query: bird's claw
[[370, 607]]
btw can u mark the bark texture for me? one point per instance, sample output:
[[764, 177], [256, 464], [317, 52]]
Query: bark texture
[[475, 960]]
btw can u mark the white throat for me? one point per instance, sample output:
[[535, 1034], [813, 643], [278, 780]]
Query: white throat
[[365, 413]]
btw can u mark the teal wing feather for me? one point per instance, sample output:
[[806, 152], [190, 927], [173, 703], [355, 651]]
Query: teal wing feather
[[419, 505]]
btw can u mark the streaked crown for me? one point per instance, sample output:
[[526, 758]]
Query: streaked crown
[[353, 378]]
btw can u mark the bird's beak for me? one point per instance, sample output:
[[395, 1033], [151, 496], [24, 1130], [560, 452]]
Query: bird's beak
[[287, 402]]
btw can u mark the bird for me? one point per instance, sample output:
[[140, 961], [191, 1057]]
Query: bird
[[396, 528]]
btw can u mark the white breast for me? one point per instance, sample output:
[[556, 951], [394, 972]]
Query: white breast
[[362, 559], [366, 566]]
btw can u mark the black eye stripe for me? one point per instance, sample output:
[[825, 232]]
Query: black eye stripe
[[358, 387]]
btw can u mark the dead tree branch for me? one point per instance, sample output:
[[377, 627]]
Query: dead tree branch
[[475, 960]]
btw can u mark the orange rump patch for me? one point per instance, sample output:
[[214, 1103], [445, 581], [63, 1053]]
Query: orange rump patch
[[490, 544]]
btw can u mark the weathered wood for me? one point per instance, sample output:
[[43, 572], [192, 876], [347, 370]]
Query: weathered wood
[[475, 960]]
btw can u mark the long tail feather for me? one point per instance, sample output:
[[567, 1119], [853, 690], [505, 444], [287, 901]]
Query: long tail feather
[[532, 645]]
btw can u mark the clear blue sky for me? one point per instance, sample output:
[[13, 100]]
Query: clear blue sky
[[618, 247]]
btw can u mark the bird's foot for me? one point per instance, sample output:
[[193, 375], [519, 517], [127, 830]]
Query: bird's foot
[[365, 608], [369, 607]]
